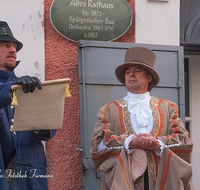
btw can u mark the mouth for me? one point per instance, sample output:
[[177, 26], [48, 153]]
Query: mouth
[[11, 57], [132, 80]]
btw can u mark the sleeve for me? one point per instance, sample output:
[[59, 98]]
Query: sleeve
[[5, 94], [114, 140], [173, 172], [45, 135], [176, 132], [177, 137]]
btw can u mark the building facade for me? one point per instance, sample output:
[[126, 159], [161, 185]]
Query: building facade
[[48, 55]]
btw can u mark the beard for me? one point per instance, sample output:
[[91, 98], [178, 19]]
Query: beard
[[9, 66]]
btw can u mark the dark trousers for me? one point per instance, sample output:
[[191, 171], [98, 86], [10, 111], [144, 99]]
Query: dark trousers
[[146, 180]]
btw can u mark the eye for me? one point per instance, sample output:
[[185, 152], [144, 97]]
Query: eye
[[3, 44], [15, 46]]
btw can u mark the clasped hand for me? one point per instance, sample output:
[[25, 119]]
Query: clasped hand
[[144, 141]]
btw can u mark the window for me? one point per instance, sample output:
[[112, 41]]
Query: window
[[187, 106]]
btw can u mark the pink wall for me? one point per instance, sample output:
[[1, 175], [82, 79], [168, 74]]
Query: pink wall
[[61, 61]]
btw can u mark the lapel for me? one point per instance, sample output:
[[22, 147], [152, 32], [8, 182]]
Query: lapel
[[155, 107]]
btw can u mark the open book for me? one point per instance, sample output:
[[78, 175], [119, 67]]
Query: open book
[[41, 110]]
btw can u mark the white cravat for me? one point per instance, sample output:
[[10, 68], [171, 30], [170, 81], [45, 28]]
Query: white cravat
[[140, 109]]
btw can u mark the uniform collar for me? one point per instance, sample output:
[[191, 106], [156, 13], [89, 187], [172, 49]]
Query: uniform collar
[[6, 76]]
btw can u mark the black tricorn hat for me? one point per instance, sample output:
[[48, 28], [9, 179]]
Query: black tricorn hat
[[6, 35]]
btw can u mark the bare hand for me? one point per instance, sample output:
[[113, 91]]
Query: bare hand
[[144, 141]]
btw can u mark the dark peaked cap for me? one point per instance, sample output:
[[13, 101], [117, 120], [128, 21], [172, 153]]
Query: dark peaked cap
[[6, 35]]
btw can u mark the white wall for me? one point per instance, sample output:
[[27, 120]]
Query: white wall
[[26, 21], [157, 22], [194, 63]]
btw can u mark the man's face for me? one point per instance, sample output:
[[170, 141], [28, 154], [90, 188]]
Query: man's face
[[8, 55], [137, 79]]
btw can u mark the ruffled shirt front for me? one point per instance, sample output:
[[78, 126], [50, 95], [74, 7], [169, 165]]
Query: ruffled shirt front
[[140, 112]]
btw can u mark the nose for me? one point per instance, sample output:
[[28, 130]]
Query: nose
[[133, 73], [12, 48]]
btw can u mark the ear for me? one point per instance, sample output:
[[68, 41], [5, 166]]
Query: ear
[[149, 78]]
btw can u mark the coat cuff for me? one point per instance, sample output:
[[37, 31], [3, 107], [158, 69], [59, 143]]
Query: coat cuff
[[127, 142]]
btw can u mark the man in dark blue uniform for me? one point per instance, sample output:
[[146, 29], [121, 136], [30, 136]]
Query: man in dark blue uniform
[[22, 158]]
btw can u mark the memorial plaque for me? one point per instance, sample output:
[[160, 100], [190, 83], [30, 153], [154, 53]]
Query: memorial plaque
[[99, 20]]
